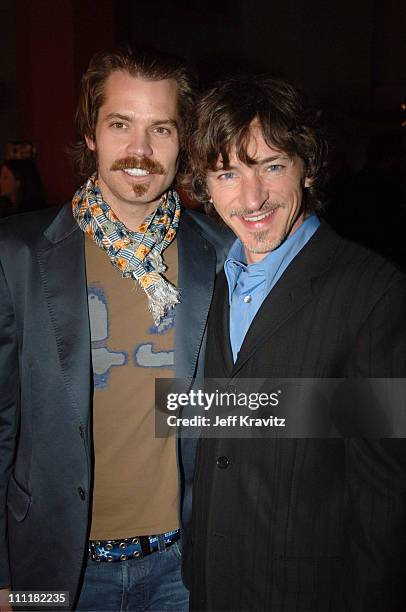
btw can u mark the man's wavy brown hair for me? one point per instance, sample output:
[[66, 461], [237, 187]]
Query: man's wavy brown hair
[[222, 120], [144, 63]]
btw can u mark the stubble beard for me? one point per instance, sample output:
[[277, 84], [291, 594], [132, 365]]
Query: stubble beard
[[262, 244], [259, 241]]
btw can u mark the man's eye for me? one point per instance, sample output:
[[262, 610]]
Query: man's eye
[[275, 168], [118, 125], [226, 176], [160, 129]]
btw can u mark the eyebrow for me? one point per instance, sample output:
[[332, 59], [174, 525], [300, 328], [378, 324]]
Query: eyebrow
[[259, 162], [272, 158], [117, 116], [166, 121]]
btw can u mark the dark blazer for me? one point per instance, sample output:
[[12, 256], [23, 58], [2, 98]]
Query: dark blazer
[[307, 524], [46, 387]]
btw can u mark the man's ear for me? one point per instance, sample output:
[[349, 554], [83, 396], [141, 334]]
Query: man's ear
[[308, 182], [90, 143]]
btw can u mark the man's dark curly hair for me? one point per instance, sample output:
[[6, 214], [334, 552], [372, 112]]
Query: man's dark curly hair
[[222, 120], [145, 63]]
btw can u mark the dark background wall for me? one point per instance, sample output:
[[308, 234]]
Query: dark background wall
[[8, 73], [351, 54]]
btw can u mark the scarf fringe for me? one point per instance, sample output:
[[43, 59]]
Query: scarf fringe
[[162, 298]]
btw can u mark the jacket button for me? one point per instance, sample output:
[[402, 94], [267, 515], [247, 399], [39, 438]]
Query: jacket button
[[223, 462], [82, 493]]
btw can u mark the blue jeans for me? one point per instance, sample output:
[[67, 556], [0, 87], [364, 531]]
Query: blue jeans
[[153, 583]]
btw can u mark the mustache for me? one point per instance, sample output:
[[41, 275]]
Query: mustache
[[267, 207], [144, 163]]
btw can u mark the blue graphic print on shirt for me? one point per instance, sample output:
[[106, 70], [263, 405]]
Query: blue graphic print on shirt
[[104, 359], [146, 357]]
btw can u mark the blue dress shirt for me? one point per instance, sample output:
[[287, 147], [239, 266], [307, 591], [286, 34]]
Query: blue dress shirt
[[248, 285]]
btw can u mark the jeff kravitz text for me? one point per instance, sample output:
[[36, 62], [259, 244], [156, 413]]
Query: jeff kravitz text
[[229, 421]]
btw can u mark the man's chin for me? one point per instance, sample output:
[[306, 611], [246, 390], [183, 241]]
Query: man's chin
[[149, 196], [140, 189], [262, 246]]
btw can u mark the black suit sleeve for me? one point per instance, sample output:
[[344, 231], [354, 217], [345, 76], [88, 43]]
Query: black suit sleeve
[[9, 402], [376, 471], [380, 350]]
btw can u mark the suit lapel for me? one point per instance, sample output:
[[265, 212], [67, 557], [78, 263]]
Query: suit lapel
[[220, 330], [279, 306], [197, 269], [293, 290], [62, 266]]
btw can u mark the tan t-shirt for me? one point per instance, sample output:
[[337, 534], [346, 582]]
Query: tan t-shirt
[[135, 482]]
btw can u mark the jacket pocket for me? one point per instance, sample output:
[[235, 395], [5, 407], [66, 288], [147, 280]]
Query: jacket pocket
[[18, 500]]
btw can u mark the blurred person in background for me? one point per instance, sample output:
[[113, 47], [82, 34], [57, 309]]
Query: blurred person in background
[[21, 188]]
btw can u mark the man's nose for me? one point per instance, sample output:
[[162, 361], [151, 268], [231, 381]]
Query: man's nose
[[139, 144], [254, 192]]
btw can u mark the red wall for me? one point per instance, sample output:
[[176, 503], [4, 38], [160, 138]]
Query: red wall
[[55, 40]]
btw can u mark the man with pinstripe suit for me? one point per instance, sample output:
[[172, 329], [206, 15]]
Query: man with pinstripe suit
[[292, 524]]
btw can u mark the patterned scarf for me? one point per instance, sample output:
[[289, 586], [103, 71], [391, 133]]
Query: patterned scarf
[[138, 254]]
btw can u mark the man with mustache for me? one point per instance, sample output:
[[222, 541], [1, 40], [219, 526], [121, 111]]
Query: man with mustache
[[292, 524], [96, 301]]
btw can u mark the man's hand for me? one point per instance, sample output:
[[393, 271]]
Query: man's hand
[[4, 601]]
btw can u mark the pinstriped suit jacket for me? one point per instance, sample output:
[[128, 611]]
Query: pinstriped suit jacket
[[309, 524]]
